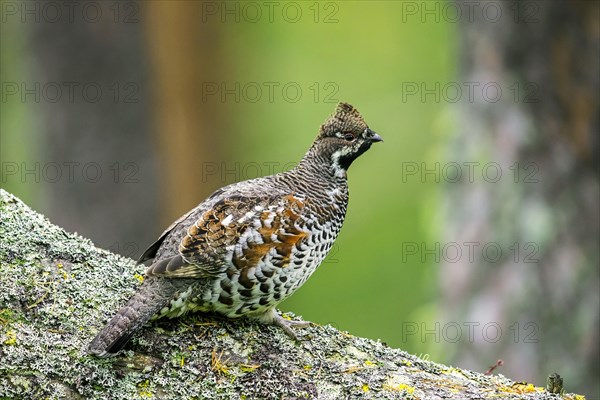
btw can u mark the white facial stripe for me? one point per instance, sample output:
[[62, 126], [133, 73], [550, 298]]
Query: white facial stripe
[[341, 152], [339, 171]]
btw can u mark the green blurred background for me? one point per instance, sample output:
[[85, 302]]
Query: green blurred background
[[186, 107]]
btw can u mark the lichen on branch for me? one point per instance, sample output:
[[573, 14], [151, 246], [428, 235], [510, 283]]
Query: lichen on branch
[[57, 290]]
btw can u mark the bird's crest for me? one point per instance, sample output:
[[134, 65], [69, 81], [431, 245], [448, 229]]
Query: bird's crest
[[344, 119]]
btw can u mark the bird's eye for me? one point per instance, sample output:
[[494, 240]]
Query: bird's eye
[[349, 136]]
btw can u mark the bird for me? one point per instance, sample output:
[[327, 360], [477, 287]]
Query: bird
[[249, 245]]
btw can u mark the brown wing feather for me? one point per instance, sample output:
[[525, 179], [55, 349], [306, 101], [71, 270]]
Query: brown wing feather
[[281, 234], [203, 250], [150, 252], [173, 267]]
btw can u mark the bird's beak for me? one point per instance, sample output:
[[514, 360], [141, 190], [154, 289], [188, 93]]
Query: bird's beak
[[373, 137]]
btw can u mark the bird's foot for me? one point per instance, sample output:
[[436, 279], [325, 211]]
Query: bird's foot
[[288, 324], [272, 317]]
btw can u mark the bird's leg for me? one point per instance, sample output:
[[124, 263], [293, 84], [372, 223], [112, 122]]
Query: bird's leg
[[272, 317], [287, 324]]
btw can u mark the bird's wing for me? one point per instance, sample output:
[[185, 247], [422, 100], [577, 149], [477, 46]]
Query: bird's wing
[[240, 231], [151, 251]]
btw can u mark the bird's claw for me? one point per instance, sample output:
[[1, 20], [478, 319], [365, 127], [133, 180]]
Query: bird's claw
[[288, 324]]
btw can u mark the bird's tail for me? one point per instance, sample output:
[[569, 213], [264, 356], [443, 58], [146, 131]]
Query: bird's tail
[[151, 297]]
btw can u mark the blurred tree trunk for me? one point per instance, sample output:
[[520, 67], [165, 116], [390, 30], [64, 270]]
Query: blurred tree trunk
[[98, 135], [184, 57], [543, 213], [136, 150]]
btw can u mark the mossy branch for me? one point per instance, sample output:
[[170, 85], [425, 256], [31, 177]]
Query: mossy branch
[[57, 290]]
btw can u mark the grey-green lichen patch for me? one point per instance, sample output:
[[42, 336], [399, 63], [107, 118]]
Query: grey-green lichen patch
[[57, 290]]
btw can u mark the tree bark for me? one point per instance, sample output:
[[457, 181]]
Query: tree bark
[[542, 134]]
